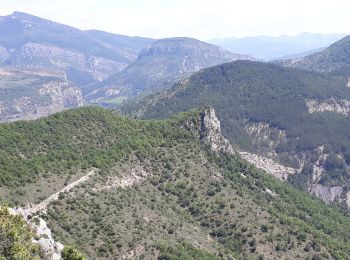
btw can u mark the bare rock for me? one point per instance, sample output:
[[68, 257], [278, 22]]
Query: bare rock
[[210, 132]]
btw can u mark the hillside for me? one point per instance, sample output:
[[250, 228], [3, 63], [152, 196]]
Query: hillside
[[32, 43], [27, 96], [169, 189], [335, 58], [298, 55], [271, 48], [159, 66], [297, 119]]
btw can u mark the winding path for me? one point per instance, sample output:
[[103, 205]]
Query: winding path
[[42, 206]]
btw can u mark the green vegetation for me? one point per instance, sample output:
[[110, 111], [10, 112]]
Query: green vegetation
[[76, 139], [16, 238], [183, 251], [244, 93], [72, 253], [158, 191]]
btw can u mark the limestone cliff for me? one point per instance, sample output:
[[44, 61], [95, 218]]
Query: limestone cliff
[[210, 132]]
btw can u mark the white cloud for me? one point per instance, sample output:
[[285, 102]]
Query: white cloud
[[202, 19]]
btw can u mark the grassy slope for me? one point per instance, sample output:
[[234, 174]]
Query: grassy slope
[[190, 198]]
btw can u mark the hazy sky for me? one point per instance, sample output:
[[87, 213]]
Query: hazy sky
[[203, 19]]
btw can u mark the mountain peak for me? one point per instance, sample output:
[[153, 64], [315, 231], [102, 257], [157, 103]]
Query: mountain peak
[[176, 45], [25, 16]]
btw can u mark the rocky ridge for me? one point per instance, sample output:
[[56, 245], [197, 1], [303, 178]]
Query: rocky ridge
[[210, 132]]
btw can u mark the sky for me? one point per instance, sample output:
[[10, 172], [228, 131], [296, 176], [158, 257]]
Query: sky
[[202, 19]]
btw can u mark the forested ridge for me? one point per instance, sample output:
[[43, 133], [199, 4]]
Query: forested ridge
[[245, 92], [184, 193]]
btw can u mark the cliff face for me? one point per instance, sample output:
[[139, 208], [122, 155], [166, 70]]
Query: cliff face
[[210, 132], [41, 56], [195, 54]]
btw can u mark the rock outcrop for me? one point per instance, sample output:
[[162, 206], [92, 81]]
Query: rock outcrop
[[329, 105], [50, 248], [210, 132], [270, 166], [265, 139], [327, 194]]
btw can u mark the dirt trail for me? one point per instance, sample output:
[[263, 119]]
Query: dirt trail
[[42, 206]]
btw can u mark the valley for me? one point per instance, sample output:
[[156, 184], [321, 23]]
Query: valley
[[168, 147]]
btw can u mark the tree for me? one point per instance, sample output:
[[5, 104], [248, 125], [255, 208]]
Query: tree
[[72, 253]]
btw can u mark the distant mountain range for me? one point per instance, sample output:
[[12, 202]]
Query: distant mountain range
[[335, 59], [31, 43], [107, 68], [270, 48], [159, 66]]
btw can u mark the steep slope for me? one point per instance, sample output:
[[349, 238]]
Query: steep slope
[[297, 118], [33, 43], [167, 189], [270, 48], [27, 96], [125, 45], [160, 65], [299, 55], [336, 58]]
